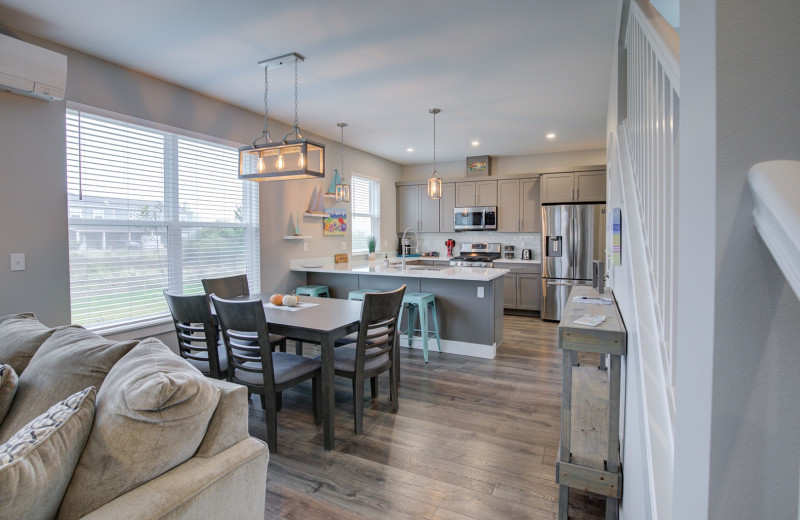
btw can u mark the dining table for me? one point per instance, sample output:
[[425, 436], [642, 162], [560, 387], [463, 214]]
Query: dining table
[[316, 320]]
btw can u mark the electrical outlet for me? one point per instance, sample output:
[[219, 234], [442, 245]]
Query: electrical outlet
[[480, 292], [17, 262], [344, 244], [305, 246]]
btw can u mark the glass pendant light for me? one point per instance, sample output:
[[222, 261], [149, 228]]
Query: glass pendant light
[[342, 188], [434, 181], [269, 161]]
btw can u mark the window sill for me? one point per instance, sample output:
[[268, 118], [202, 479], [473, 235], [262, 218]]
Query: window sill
[[135, 330]]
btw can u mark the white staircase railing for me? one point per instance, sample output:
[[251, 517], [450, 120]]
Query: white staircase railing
[[643, 161]]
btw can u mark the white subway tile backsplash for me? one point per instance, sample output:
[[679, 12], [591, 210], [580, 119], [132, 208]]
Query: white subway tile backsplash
[[520, 241]]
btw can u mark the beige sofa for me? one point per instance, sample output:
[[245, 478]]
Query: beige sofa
[[96, 429]]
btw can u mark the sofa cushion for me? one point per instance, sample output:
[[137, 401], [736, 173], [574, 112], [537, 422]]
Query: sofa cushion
[[8, 387], [21, 335], [152, 413], [37, 462], [70, 360]]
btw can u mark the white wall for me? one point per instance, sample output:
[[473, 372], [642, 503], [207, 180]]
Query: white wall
[[33, 189], [740, 105], [510, 165]]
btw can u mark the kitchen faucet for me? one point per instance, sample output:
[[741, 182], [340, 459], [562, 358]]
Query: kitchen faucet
[[403, 244]]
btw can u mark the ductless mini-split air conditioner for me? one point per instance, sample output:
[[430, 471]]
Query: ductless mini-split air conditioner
[[30, 70]]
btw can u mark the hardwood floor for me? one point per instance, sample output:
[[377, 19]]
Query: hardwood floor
[[473, 439]]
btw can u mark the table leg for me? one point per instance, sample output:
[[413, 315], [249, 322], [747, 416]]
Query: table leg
[[328, 393]]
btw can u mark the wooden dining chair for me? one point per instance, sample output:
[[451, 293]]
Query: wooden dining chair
[[374, 350], [198, 341], [260, 369], [231, 287]]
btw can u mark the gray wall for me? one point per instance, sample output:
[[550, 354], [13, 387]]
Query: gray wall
[[33, 190], [33, 208], [510, 165], [741, 107]]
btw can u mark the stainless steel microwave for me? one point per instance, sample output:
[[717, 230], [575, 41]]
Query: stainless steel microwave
[[480, 218]]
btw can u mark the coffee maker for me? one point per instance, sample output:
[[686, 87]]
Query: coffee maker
[[450, 243]]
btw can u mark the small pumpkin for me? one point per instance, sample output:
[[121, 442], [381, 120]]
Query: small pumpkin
[[276, 299], [290, 300]]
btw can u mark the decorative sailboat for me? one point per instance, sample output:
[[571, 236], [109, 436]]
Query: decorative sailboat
[[336, 180], [316, 208]]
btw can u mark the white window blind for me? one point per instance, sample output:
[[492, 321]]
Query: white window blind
[[151, 210], [365, 197]]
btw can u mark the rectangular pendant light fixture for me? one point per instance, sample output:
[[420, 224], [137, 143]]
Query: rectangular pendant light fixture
[[286, 159]]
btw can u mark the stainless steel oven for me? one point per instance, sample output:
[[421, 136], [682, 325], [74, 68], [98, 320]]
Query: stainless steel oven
[[478, 218]]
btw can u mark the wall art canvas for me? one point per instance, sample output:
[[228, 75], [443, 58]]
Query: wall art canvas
[[479, 165], [336, 222]]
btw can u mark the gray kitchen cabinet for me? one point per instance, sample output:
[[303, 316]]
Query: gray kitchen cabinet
[[588, 186], [522, 287], [518, 205], [531, 205], [447, 205], [415, 210], [476, 193]]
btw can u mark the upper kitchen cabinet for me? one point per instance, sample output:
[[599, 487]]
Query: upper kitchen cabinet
[[476, 193], [518, 205], [447, 206], [415, 210], [588, 186]]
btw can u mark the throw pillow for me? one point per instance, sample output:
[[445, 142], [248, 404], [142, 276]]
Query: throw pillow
[[8, 387], [152, 413], [37, 462], [21, 335], [70, 360]]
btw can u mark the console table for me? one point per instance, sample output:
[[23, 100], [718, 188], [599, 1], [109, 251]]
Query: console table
[[588, 455]]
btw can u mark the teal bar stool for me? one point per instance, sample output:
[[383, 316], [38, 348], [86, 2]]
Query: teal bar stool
[[420, 303], [359, 294], [313, 290]]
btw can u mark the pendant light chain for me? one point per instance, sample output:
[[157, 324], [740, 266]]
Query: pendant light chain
[[296, 127], [341, 150], [434, 142], [265, 132]]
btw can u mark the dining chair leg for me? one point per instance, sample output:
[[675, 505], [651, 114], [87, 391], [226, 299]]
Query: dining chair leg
[[263, 402], [373, 386], [393, 388], [358, 404], [298, 347], [271, 418], [316, 396], [282, 345], [279, 401]]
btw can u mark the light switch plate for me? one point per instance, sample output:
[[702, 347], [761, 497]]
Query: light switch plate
[[480, 292], [17, 262]]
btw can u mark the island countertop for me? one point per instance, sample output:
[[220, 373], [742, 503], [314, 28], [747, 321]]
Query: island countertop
[[394, 269]]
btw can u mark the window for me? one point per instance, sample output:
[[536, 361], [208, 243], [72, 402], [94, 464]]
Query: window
[[365, 196], [151, 210]]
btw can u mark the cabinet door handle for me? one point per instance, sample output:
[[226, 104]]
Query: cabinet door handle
[[576, 193]]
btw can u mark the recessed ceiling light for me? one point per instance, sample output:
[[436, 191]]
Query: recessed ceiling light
[[475, 143], [409, 149], [551, 135]]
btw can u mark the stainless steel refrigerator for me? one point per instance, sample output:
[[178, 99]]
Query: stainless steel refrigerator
[[573, 235]]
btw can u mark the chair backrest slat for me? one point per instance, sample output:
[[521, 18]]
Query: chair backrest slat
[[235, 319], [195, 329], [377, 334], [227, 287]]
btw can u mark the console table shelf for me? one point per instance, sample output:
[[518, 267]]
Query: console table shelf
[[588, 455]]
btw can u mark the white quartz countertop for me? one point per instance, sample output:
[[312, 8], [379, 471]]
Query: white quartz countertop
[[394, 269], [516, 261]]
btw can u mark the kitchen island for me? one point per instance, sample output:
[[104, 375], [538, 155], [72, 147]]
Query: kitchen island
[[469, 300]]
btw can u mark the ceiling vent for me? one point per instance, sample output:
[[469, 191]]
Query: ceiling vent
[[31, 71]]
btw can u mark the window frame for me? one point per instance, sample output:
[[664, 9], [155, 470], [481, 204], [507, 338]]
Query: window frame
[[374, 211], [171, 221]]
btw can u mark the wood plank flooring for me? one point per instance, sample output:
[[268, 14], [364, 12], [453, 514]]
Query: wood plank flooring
[[473, 439]]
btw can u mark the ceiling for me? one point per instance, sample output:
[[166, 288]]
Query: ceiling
[[504, 73]]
